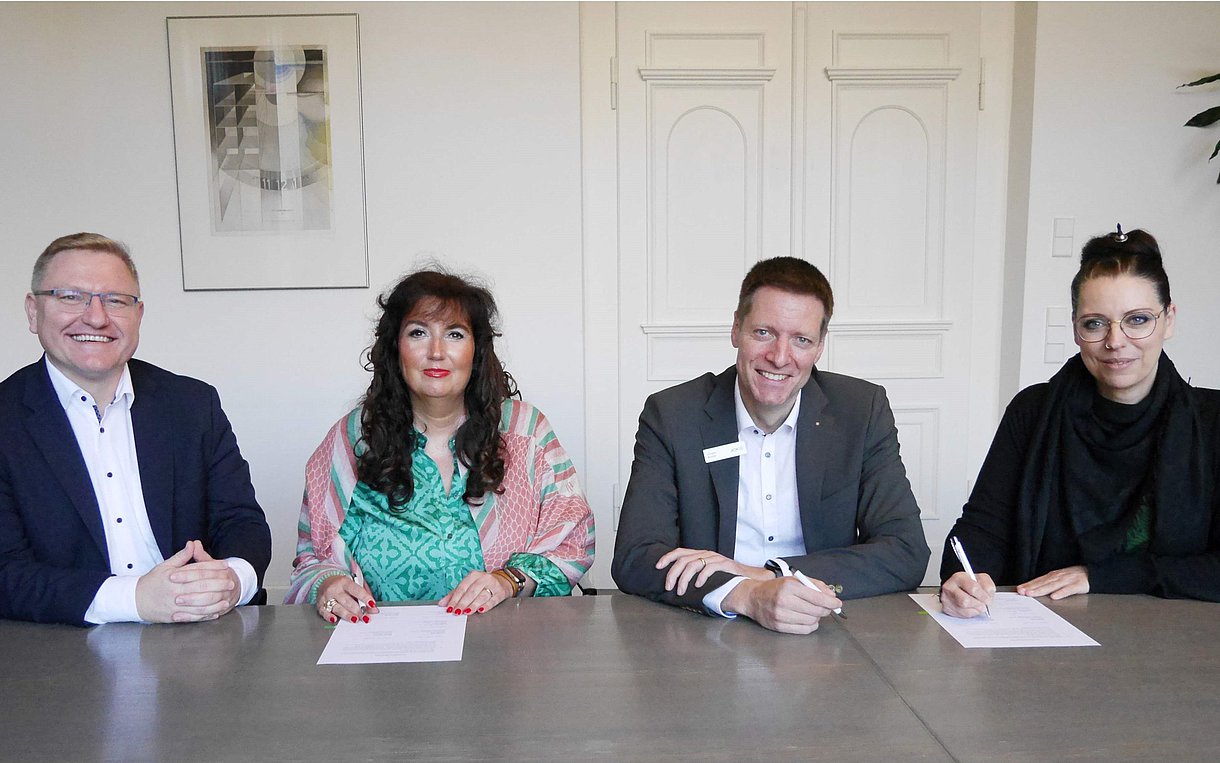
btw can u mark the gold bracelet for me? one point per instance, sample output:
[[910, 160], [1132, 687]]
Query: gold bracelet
[[512, 583]]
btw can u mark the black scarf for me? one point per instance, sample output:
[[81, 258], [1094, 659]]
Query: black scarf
[[1088, 470]]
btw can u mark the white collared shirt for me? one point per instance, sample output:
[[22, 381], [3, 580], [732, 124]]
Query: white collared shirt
[[768, 514], [107, 444], [768, 509]]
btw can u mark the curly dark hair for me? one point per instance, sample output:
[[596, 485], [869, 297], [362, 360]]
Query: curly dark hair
[[387, 421]]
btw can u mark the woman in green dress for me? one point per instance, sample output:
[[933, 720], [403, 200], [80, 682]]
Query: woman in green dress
[[441, 485]]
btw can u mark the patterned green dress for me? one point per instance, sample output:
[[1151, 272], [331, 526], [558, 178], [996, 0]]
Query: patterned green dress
[[422, 553]]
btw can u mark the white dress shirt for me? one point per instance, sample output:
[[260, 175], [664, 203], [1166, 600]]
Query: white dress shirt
[[107, 443], [768, 512]]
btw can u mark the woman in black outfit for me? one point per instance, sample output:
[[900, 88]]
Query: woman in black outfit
[[1102, 479]]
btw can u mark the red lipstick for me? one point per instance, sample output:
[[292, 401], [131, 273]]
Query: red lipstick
[[436, 373]]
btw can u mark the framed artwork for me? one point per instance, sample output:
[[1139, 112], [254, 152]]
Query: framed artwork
[[269, 151]]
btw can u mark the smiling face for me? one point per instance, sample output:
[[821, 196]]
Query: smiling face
[[778, 342], [1124, 368], [436, 350], [90, 348]]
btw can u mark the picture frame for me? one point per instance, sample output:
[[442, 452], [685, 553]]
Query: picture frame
[[268, 147]]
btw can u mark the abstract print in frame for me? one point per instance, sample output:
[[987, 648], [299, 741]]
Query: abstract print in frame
[[267, 136]]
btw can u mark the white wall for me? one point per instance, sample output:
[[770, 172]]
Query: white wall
[[472, 155], [1109, 146]]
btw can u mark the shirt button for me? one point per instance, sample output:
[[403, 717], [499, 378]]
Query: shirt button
[[119, 520], [768, 496], [102, 430], [109, 474], [129, 566], [84, 399], [770, 537], [768, 455]]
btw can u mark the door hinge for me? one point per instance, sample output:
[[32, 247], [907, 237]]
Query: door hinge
[[613, 83], [982, 83]]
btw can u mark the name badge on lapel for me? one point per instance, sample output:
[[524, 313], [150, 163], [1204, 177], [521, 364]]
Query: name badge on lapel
[[721, 452]]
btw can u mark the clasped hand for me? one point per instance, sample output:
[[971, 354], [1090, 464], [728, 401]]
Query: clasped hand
[[187, 587]]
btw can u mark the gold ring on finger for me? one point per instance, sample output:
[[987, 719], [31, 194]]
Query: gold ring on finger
[[490, 595], [704, 562]]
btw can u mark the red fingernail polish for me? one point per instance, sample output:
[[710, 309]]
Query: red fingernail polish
[[366, 618], [480, 609], [448, 609], [333, 620], [353, 618], [372, 603], [466, 611]]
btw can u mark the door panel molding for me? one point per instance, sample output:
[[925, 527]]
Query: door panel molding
[[707, 75]]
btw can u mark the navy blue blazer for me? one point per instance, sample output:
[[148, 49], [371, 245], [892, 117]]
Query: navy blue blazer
[[196, 486]]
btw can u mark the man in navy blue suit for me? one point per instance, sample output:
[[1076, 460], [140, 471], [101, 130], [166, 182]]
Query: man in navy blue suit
[[123, 495]]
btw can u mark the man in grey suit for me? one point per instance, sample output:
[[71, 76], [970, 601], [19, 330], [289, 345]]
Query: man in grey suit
[[769, 488]]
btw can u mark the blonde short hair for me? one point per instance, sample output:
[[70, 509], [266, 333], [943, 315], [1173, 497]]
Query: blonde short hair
[[93, 242]]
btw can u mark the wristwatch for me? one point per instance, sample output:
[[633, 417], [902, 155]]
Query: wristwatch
[[781, 568], [518, 577]]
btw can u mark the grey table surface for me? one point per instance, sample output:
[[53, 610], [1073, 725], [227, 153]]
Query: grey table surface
[[620, 678], [1149, 692]]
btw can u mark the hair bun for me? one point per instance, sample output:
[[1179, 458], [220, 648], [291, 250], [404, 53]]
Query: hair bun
[[1137, 243]]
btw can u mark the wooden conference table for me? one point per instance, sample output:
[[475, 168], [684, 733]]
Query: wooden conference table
[[621, 678]]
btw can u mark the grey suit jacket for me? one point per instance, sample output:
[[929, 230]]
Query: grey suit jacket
[[858, 515]]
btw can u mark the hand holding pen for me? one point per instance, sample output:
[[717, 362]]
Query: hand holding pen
[[344, 597], [966, 594], [787, 571]]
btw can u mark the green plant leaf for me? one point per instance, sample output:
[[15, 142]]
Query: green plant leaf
[[1204, 118], [1214, 152], [1203, 81]]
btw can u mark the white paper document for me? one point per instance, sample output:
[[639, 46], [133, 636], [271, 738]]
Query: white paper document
[[1015, 620], [398, 634]]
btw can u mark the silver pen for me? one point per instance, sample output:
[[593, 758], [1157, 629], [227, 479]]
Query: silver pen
[[960, 552]]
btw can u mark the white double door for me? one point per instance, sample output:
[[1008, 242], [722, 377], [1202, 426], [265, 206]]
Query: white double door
[[844, 134]]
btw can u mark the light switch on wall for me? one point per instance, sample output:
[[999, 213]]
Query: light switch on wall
[[1063, 237], [1057, 341]]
